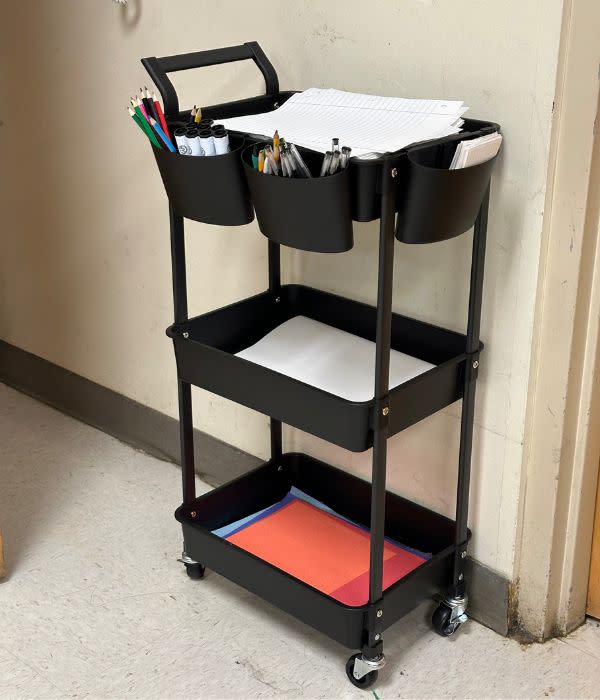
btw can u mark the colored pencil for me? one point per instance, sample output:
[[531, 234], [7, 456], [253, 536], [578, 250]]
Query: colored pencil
[[151, 104], [148, 106], [157, 127], [161, 115], [140, 105], [144, 126]]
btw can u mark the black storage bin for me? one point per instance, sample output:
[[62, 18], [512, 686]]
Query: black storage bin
[[307, 213], [209, 189], [437, 203], [350, 496], [206, 347]]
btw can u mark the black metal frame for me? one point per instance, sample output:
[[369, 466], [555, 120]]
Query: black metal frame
[[375, 615]]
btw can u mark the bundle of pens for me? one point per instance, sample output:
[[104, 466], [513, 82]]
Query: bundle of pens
[[335, 160], [284, 159], [281, 158], [200, 137]]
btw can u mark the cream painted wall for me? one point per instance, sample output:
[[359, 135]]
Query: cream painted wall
[[85, 252]]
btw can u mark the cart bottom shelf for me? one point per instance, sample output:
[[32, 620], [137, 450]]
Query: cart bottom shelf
[[304, 538], [295, 532]]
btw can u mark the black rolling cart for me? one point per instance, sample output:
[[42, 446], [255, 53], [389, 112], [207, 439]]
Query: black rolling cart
[[417, 200]]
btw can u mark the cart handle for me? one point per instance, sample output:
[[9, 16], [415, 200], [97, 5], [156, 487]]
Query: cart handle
[[159, 67]]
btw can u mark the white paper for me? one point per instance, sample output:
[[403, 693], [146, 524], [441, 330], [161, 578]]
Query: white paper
[[367, 123], [476, 151], [330, 359]]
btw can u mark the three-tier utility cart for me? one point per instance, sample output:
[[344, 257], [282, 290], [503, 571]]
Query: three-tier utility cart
[[417, 200]]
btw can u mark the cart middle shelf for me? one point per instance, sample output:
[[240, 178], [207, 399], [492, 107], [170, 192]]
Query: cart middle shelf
[[307, 357]]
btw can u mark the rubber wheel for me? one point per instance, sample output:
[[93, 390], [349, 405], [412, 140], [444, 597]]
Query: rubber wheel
[[366, 681], [194, 571], [441, 621]]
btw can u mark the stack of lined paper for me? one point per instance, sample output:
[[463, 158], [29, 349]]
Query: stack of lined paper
[[369, 124]]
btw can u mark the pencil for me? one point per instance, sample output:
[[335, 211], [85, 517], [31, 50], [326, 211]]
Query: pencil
[[140, 105], [144, 126], [157, 127], [261, 161], [150, 104], [198, 117], [276, 145], [161, 114]]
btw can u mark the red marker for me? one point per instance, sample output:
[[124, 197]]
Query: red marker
[[161, 116]]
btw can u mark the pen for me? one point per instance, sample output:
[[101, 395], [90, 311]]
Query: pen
[[286, 168], [335, 161], [326, 163], [298, 161], [272, 161], [255, 157], [345, 157]]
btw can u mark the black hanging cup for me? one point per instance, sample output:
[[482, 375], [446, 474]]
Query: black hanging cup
[[211, 189], [437, 203], [311, 214]]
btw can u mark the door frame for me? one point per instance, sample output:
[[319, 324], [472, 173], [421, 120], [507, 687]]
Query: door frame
[[562, 442]]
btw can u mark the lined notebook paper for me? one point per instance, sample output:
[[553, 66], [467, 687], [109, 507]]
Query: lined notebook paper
[[369, 124]]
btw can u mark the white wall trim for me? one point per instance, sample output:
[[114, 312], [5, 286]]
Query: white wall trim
[[559, 451]]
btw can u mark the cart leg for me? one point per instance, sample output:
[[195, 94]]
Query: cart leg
[[194, 569], [451, 613], [362, 669], [186, 425]]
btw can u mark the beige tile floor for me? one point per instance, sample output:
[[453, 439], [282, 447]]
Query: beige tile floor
[[96, 605]]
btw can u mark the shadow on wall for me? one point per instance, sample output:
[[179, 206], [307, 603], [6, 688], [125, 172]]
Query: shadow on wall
[[131, 13]]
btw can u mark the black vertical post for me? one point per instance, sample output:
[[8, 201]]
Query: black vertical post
[[274, 286], [468, 406], [186, 426], [373, 645]]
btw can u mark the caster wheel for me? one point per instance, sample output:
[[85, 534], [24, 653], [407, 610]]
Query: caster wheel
[[441, 621], [194, 571], [366, 681]]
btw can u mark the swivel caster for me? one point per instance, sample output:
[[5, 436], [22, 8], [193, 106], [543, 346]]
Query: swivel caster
[[192, 568], [363, 673], [195, 571], [449, 616]]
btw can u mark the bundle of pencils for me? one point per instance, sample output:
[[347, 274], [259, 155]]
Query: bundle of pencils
[[147, 112]]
